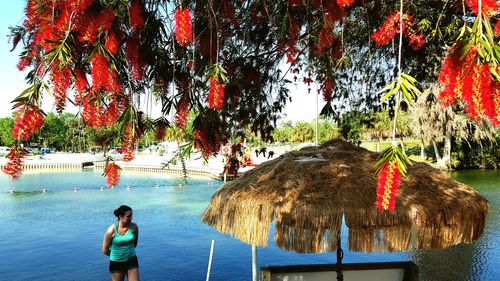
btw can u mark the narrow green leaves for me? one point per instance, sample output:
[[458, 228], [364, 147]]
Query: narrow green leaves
[[394, 153], [406, 84]]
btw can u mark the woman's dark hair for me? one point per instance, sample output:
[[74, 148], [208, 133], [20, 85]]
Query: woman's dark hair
[[121, 210]]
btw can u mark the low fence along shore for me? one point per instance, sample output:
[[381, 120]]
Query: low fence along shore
[[175, 170]]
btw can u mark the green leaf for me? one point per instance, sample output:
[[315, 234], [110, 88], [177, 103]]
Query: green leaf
[[387, 88], [408, 78], [391, 92]]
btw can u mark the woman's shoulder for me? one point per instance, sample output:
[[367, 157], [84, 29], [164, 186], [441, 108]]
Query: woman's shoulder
[[134, 226], [111, 228]]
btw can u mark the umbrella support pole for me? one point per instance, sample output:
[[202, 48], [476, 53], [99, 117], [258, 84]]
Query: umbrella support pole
[[340, 256], [254, 263]]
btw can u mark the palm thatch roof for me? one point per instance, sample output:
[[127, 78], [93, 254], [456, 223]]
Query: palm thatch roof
[[308, 193]]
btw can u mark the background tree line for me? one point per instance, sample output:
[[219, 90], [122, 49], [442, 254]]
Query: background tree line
[[429, 131]]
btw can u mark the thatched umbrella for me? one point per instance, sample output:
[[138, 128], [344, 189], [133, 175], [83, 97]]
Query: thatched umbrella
[[308, 192]]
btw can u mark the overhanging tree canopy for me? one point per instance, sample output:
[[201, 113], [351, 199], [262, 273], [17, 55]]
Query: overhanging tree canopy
[[231, 61]]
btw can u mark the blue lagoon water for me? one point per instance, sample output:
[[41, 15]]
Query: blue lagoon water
[[57, 236]]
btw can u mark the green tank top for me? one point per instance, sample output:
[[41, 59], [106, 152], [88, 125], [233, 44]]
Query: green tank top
[[122, 246]]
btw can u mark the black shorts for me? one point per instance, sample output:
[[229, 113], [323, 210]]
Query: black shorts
[[117, 266]]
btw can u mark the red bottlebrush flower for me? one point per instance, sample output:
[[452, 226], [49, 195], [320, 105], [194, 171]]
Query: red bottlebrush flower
[[114, 85], [99, 72], [32, 12], [488, 7], [94, 24], [81, 81], [328, 86], [206, 132], [345, 3], [136, 11], [24, 62], [80, 5], [388, 30], [14, 166], [133, 52], [207, 143], [325, 40], [112, 43], [131, 137], [389, 180], [216, 94], [183, 27], [92, 114], [160, 131], [112, 173], [62, 81], [227, 12], [477, 92], [452, 75], [28, 121], [417, 41], [46, 35], [495, 117], [332, 12], [64, 18], [497, 28], [182, 111], [111, 114]]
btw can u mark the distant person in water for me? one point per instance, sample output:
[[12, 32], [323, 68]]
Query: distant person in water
[[120, 240]]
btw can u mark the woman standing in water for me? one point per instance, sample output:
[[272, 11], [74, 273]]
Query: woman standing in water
[[120, 240]]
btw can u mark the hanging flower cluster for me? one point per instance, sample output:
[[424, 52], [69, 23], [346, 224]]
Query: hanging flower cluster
[[345, 3], [207, 143], [72, 40], [290, 46], [389, 180], [467, 79], [207, 133], [390, 28], [135, 13], [488, 7], [328, 86], [470, 72], [216, 93], [28, 121], [112, 173], [160, 130], [62, 80], [14, 165], [182, 111], [133, 53], [131, 138], [325, 40], [183, 27]]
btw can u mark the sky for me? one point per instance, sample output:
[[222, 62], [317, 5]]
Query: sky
[[302, 108]]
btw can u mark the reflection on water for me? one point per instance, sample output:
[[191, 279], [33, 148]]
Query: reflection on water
[[476, 261], [56, 235]]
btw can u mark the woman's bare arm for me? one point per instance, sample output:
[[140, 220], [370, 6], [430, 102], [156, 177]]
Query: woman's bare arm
[[106, 241], [136, 230]]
